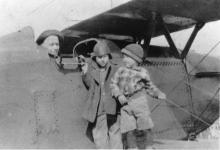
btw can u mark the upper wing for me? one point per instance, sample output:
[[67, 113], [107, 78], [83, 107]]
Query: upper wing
[[133, 18]]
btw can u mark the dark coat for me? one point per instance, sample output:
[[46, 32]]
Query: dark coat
[[92, 83]]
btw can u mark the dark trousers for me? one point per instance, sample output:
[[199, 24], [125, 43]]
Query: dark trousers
[[137, 139]]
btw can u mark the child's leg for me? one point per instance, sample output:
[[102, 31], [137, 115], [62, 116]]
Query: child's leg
[[128, 121], [128, 125], [144, 133], [115, 139], [149, 135], [141, 139], [144, 138], [100, 133], [124, 140], [130, 140]]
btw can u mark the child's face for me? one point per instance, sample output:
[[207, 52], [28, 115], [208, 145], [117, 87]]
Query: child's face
[[129, 62], [102, 61]]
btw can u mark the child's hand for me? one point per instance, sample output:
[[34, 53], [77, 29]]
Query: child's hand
[[122, 99], [84, 68], [84, 64], [127, 109], [162, 96]]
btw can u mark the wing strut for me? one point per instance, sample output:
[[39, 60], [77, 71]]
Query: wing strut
[[150, 33], [191, 39], [168, 37]]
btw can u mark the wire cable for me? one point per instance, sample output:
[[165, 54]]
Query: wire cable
[[196, 65]]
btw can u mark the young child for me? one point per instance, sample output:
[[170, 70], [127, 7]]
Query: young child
[[100, 108], [130, 86]]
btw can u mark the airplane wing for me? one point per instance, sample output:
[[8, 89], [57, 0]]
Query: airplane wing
[[133, 18]]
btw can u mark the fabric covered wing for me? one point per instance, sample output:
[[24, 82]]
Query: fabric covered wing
[[133, 18]]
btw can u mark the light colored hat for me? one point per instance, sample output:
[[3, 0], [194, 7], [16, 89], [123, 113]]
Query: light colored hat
[[134, 51], [47, 33]]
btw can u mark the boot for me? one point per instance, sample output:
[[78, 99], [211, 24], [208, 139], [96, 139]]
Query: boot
[[141, 139], [129, 140], [149, 139], [144, 138]]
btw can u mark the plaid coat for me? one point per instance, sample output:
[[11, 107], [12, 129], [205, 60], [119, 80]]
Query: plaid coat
[[128, 81], [134, 83]]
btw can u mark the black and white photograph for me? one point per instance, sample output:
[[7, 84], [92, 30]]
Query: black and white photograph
[[110, 74]]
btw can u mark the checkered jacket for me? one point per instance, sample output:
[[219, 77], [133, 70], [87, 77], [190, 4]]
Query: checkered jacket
[[127, 81]]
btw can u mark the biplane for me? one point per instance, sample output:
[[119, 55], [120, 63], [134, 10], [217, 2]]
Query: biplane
[[41, 103]]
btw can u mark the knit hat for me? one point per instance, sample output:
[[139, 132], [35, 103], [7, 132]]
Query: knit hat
[[134, 51], [47, 33], [101, 48]]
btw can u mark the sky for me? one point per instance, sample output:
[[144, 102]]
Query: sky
[[59, 14], [43, 14], [207, 38]]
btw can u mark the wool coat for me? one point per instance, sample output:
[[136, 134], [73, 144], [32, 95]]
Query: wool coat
[[135, 84], [91, 80]]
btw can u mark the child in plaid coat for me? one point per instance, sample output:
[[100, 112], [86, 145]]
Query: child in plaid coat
[[131, 86]]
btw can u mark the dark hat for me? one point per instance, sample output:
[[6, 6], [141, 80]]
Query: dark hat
[[47, 33], [134, 51], [101, 48]]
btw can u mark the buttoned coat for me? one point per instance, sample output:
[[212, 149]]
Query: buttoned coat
[[92, 82]]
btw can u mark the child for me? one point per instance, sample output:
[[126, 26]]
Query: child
[[100, 107], [130, 85]]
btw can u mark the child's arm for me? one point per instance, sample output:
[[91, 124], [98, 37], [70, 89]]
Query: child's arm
[[86, 78], [116, 92], [151, 89], [85, 71]]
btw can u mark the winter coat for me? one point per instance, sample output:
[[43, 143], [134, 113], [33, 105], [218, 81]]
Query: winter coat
[[135, 84], [127, 81], [92, 82]]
